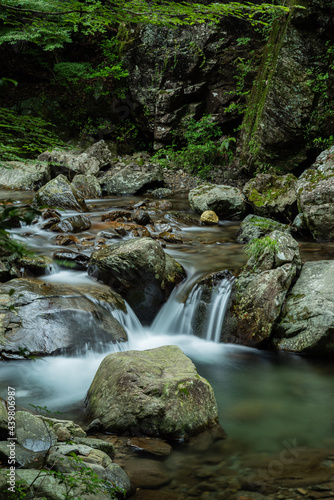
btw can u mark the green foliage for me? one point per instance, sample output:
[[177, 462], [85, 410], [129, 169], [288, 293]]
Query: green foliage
[[52, 23], [256, 247], [24, 136], [202, 149]]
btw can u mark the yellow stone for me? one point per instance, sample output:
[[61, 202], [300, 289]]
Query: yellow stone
[[209, 218]]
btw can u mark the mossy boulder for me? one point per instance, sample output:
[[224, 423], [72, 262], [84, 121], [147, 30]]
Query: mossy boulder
[[140, 271], [209, 218], [307, 321], [38, 318], [315, 191], [260, 290], [59, 193], [157, 392], [254, 226], [273, 196], [228, 202]]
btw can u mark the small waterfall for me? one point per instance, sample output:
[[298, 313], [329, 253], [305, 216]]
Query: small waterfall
[[196, 315]]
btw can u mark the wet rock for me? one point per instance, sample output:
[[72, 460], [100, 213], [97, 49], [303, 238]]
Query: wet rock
[[97, 444], [74, 224], [114, 215], [307, 320], [140, 271], [155, 392], [169, 237], [111, 233], [87, 186], [89, 162], [273, 196], [66, 239], [132, 179], [35, 265], [22, 457], [153, 446], [160, 205], [70, 259], [260, 290], [30, 175], [162, 193], [141, 217], [254, 226], [209, 218], [315, 191], [148, 474], [49, 213], [228, 202], [59, 193], [39, 318]]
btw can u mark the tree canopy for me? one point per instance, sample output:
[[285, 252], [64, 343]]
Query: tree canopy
[[52, 23]]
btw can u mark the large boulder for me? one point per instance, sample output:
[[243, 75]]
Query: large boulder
[[133, 179], [59, 193], [254, 227], [228, 202], [260, 290], [315, 191], [87, 186], [39, 318], [157, 392], [88, 162], [140, 271], [273, 196], [307, 322], [24, 175]]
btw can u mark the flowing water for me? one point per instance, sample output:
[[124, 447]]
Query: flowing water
[[264, 399]]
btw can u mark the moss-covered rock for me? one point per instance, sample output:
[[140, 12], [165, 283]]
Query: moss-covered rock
[[157, 392], [273, 196], [260, 290], [140, 271], [59, 193], [87, 186], [315, 191], [253, 227]]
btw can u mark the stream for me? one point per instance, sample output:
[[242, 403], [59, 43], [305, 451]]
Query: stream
[[265, 399]]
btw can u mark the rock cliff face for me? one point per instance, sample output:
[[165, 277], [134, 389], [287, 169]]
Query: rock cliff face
[[289, 108], [188, 71]]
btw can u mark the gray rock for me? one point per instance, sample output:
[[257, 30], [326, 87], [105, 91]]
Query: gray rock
[[24, 175], [87, 186], [140, 271], [260, 290], [157, 392], [162, 193], [88, 162], [74, 224], [3, 420], [33, 433], [315, 191], [254, 226], [286, 93], [273, 196], [228, 202], [21, 456], [132, 180], [43, 318], [97, 444], [307, 321], [65, 430], [59, 193]]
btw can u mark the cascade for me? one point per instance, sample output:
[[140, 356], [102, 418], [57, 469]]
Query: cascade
[[177, 317]]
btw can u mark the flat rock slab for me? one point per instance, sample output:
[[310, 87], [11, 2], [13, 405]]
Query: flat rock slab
[[38, 318], [307, 323], [157, 392]]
